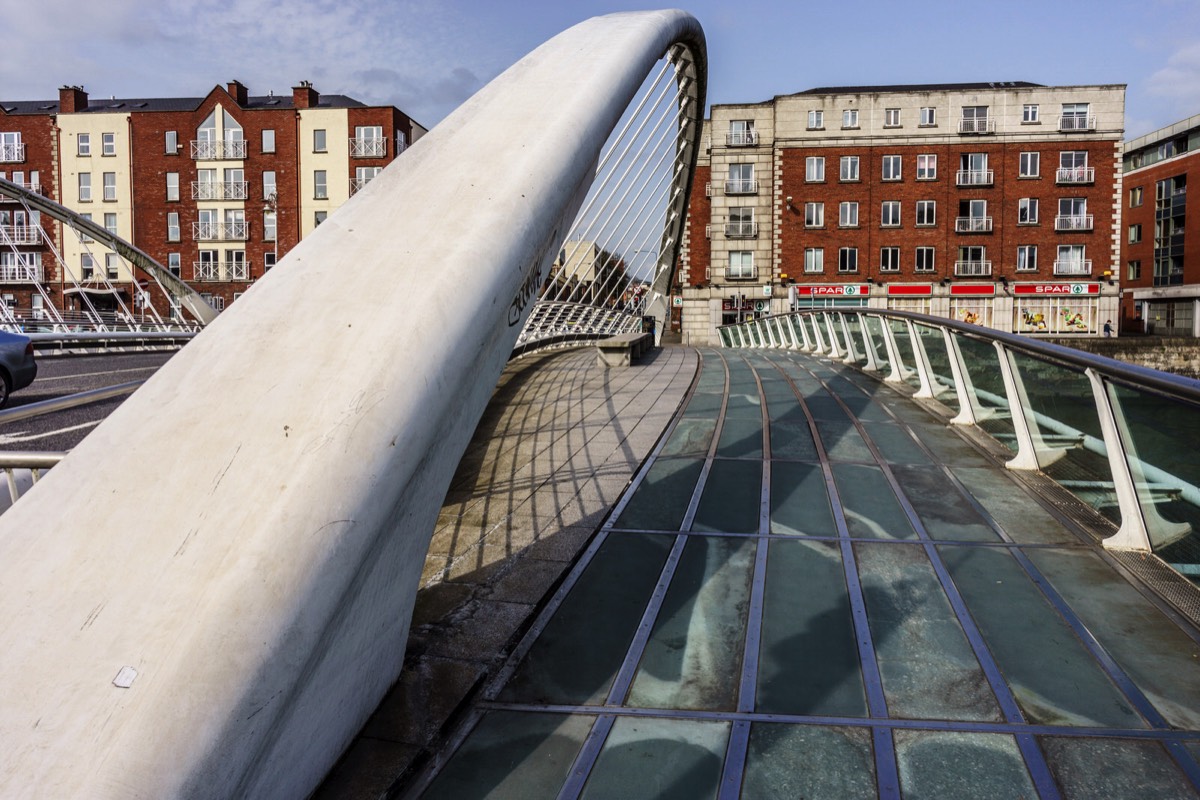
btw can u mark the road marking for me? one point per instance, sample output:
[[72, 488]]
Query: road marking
[[94, 374], [13, 438]]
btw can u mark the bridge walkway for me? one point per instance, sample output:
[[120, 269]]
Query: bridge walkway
[[815, 587]]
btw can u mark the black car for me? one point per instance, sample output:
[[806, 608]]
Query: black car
[[17, 367]]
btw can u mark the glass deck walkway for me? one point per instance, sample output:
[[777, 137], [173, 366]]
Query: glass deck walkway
[[817, 588]]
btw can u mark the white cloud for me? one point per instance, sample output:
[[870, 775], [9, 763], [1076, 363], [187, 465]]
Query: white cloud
[[1179, 80]]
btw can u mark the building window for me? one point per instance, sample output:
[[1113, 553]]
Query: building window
[[172, 186], [319, 141], [319, 217], [1135, 234], [268, 140], [268, 183], [926, 167], [371, 141], [1029, 113], [1135, 197], [925, 257], [814, 215], [268, 260], [320, 189], [926, 213], [1134, 270], [816, 120], [86, 265], [171, 142], [1072, 214], [849, 168], [973, 170], [173, 264], [1027, 211], [814, 260], [83, 145], [889, 215], [891, 118], [891, 168], [269, 225], [110, 186], [848, 214], [741, 179], [85, 187], [741, 264], [1031, 165], [928, 116], [1075, 117], [1072, 260], [108, 144], [173, 226], [850, 118], [814, 168], [848, 259], [975, 119], [889, 259], [112, 263], [110, 223], [1027, 258]]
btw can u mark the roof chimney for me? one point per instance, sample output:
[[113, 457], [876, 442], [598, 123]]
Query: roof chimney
[[72, 99], [237, 91], [304, 95]]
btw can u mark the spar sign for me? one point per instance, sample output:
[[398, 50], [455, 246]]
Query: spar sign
[[1047, 289], [835, 290]]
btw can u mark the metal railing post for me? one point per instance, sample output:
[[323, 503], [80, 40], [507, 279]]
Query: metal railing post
[[896, 373], [962, 382], [1132, 534], [868, 343], [924, 372], [835, 352], [851, 354]]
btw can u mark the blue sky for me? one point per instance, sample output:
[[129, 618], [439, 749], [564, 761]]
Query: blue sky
[[427, 56]]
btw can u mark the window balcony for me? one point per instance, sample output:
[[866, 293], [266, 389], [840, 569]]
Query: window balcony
[[36, 188], [741, 273], [1073, 222], [220, 231], [20, 273], [368, 148], [1075, 175], [747, 138], [1076, 122], [20, 234], [214, 271], [741, 230], [973, 269], [976, 177], [973, 225], [12, 153], [1073, 267], [741, 186], [977, 125], [216, 151], [220, 190]]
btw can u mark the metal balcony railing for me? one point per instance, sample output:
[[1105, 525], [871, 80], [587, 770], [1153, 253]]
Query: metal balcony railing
[[976, 177], [10, 153], [220, 231], [1076, 122], [220, 190], [741, 230], [357, 184], [973, 225], [1075, 175], [21, 234], [36, 188], [978, 125], [745, 138], [1073, 267], [741, 186], [1073, 222], [215, 151], [368, 148], [21, 273], [972, 269], [221, 271]]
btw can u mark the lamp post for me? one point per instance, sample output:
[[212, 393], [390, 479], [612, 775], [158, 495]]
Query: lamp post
[[271, 205]]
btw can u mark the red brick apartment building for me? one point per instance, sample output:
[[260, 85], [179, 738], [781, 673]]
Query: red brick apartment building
[[216, 188], [1161, 241], [991, 203]]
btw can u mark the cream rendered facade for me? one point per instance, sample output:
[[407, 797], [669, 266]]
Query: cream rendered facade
[[745, 146], [95, 148], [332, 161]]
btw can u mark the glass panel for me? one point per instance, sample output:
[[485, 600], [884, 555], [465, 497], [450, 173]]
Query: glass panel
[[659, 758], [874, 329], [798, 327], [854, 324], [1066, 432], [985, 385], [726, 338], [1162, 437], [808, 761], [754, 337], [945, 764], [904, 351], [934, 344], [1115, 769]]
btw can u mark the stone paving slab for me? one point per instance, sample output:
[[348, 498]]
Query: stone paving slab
[[556, 447]]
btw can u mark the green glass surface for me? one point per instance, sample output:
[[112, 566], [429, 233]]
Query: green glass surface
[[874, 328], [691, 437], [904, 350], [696, 647], [1025, 522], [807, 761], [800, 500], [985, 385], [870, 507], [659, 758], [732, 498], [513, 755], [893, 441], [662, 498], [934, 344], [1115, 769], [808, 657], [936, 765], [945, 512]]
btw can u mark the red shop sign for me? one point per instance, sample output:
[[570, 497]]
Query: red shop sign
[[1056, 288], [838, 290]]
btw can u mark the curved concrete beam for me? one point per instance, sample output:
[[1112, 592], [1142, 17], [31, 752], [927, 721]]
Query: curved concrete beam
[[188, 297], [224, 629]]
